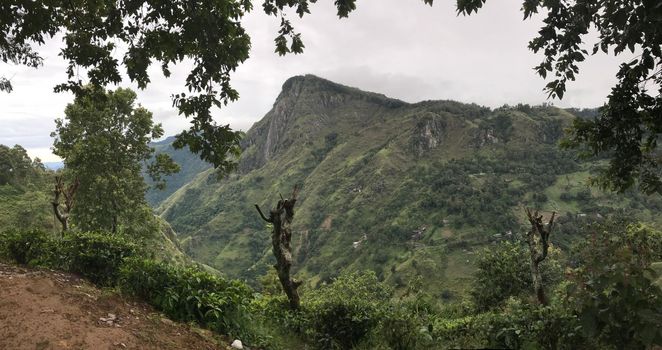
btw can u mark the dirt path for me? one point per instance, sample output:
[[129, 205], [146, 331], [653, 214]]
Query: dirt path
[[42, 310]]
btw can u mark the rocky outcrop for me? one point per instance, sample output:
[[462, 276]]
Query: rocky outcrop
[[428, 134]]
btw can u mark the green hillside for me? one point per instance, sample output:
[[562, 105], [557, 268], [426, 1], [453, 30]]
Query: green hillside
[[189, 164], [406, 190]]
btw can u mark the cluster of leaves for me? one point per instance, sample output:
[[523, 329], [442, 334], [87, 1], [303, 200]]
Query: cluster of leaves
[[97, 256], [608, 301], [516, 325], [24, 190], [612, 289], [345, 312], [209, 33], [354, 310], [33, 247]]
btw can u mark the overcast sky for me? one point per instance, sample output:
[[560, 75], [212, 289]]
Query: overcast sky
[[401, 48]]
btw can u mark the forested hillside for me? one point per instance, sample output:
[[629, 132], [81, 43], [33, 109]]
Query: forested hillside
[[411, 191]]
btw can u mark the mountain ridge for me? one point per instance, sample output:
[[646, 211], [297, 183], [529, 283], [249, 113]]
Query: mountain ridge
[[404, 189]]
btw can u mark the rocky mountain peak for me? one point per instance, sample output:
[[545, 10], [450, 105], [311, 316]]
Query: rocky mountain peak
[[308, 104]]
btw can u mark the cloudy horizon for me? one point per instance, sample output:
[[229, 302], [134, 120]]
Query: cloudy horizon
[[408, 51]]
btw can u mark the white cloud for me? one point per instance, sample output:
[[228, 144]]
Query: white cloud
[[405, 50]]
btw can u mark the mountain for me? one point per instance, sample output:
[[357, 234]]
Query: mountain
[[190, 165], [409, 190], [54, 165]]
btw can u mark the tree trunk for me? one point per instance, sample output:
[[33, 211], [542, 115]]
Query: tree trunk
[[62, 210], [281, 236], [535, 272], [537, 227], [62, 218]]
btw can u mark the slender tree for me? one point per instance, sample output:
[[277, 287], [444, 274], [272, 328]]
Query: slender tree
[[542, 231], [281, 237]]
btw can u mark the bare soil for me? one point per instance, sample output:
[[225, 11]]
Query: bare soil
[[42, 310]]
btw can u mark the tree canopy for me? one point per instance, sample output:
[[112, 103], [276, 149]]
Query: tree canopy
[[104, 141], [211, 35]]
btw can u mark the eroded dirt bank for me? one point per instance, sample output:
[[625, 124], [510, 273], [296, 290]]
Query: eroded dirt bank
[[49, 310]]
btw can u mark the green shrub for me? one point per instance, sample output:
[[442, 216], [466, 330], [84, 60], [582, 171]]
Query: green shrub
[[516, 326], [28, 247], [613, 290], [461, 332], [182, 293], [504, 271], [97, 256], [344, 313], [525, 326], [404, 329]]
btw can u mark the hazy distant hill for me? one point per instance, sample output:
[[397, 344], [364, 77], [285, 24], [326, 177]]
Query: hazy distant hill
[[404, 189], [54, 165]]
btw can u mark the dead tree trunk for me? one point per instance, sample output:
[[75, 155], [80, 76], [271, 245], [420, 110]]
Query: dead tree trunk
[[281, 236], [537, 227], [62, 210]]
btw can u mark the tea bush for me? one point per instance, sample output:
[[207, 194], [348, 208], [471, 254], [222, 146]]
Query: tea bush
[[97, 256], [33, 247], [94, 255], [613, 290], [190, 294], [516, 326], [345, 312]]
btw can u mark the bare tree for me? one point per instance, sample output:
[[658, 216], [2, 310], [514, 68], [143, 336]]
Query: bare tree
[[62, 210], [281, 237], [543, 231]]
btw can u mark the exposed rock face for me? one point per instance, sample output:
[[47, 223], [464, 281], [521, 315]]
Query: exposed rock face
[[309, 96], [269, 134], [429, 133], [486, 137]]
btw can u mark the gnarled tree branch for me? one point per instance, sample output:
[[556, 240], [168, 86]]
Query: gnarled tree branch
[[62, 210]]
